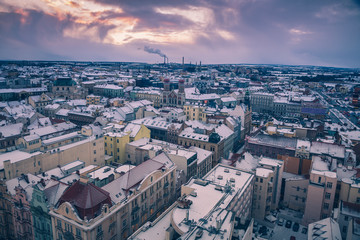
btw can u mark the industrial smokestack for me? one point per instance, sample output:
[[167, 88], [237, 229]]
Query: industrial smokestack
[[183, 60]]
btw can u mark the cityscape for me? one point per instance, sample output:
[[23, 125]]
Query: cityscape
[[179, 120], [108, 150]]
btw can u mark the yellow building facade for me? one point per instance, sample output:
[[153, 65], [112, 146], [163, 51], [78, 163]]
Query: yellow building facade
[[115, 142], [92, 100], [195, 113]]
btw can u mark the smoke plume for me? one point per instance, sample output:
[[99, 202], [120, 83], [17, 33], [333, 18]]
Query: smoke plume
[[154, 51]]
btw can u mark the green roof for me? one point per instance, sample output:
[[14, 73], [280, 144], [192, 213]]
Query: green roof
[[64, 82]]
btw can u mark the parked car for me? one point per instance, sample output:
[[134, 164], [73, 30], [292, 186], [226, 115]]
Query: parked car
[[280, 222], [296, 227], [255, 228], [304, 230], [263, 230], [288, 224]]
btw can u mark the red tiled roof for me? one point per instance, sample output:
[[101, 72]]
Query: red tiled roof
[[86, 198]]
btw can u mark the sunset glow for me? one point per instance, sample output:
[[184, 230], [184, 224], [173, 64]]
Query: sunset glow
[[241, 29]]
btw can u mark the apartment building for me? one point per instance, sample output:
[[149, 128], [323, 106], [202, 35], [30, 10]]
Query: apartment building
[[244, 112], [262, 186], [262, 102], [89, 149], [349, 219], [161, 129], [119, 208], [270, 145], [350, 190], [116, 140], [150, 94], [6, 213], [209, 208], [212, 142], [295, 191], [39, 102], [115, 144], [92, 99], [194, 112], [321, 190], [109, 90], [193, 161]]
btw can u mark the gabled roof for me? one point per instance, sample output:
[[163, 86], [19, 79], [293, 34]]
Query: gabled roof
[[137, 174], [86, 198]]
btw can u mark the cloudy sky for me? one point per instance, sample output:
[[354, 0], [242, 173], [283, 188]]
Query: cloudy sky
[[311, 32]]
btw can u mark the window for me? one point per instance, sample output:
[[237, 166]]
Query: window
[[329, 185], [326, 206], [297, 189], [105, 144], [344, 229], [94, 144], [78, 232], [319, 180], [94, 151], [59, 223], [261, 180], [99, 229], [327, 195], [358, 200]]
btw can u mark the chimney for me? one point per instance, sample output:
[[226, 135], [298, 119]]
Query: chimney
[[183, 60], [218, 224], [84, 179]]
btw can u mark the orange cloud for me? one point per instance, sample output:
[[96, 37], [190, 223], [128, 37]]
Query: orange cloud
[[24, 15], [91, 18]]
